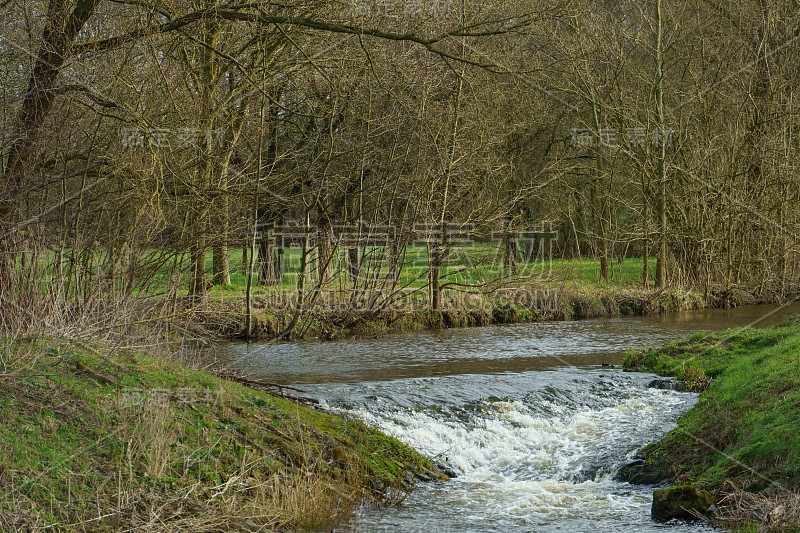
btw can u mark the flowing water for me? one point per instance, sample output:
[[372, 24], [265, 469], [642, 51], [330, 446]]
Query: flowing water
[[525, 414]]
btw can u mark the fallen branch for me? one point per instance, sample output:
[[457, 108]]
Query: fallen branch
[[275, 389]]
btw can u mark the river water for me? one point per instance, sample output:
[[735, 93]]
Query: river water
[[525, 414]]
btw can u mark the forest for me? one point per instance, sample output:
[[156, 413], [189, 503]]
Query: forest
[[369, 152], [178, 177]]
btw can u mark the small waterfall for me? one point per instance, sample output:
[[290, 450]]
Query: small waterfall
[[541, 460], [525, 414]]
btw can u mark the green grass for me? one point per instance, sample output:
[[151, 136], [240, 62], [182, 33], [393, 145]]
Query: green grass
[[540, 290], [745, 428], [474, 286], [470, 265], [89, 432], [473, 264]]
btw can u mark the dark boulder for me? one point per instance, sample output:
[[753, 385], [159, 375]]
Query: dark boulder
[[445, 468], [679, 502], [638, 472], [666, 384]]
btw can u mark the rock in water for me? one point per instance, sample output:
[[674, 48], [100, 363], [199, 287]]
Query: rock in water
[[445, 468], [666, 384], [638, 472], [679, 501]]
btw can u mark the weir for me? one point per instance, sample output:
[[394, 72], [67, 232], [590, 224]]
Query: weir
[[527, 416]]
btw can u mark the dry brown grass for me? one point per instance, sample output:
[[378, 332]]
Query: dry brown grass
[[777, 512]]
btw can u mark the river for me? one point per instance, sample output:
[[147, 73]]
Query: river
[[525, 414]]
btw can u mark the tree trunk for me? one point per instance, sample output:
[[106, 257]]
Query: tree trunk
[[394, 259], [511, 255], [530, 248], [324, 249], [301, 284], [599, 199], [209, 67], [661, 270], [645, 228], [222, 273], [8, 254], [59, 33], [221, 215], [442, 243], [267, 260], [353, 266], [248, 267], [435, 272], [280, 266], [199, 282]]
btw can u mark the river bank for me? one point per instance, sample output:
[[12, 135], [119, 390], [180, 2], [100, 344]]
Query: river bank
[[272, 314], [735, 456], [142, 435], [101, 439]]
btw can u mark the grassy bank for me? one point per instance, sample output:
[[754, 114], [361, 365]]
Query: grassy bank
[[475, 292], [738, 448], [96, 439], [338, 317], [475, 264]]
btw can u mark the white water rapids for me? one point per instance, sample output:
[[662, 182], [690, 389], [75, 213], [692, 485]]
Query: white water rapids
[[526, 416], [543, 461]]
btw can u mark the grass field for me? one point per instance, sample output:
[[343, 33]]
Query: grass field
[[473, 265]]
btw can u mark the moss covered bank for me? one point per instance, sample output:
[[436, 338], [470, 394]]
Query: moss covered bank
[[735, 456], [98, 439]]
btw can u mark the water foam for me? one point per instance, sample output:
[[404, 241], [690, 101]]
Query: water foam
[[540, 459]]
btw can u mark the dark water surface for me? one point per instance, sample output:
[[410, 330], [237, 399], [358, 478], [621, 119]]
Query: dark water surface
[[482, 350], [523, 413]]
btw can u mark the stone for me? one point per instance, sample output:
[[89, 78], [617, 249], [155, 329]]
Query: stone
[[638, 472], [446, 469], [666, 384], [679, 501]]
